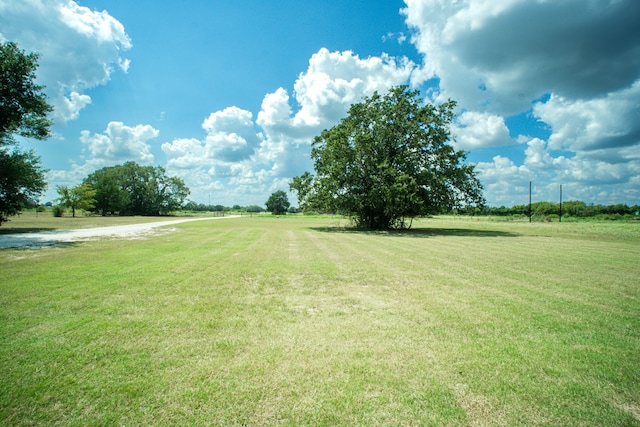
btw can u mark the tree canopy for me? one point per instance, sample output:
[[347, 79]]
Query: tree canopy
[[23, 112], [389, 161], [21, 181], [131, 189], [78, 197], [23, 105], [278, 203]]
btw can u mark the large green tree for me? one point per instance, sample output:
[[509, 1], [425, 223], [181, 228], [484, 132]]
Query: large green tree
[[131, 189], [278, 203], [110, 197], [23, 112], [389, 161]]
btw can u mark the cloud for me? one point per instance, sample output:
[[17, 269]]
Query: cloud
[[225, 154], [582, 177], [116, 145], [231, 138], [572, 65], [474, 129], [325, 91], [120, 143], [261, 156], [230, 135], [79, 48], [275, 117], [184, 153], [335, 80], [70, 106], [501, 54], [610, 121], [400, 37], [504, 181]]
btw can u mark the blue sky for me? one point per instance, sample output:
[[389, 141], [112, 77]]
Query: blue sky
[[229, 95]]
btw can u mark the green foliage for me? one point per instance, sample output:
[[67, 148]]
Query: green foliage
[[23, 105], [131, 189], [57, 211], [254, 209], [111, 196], [23, 112], [79, 197], [201, 207], [21, 181], [388, 162], [547, 211], [278, 203], [302, 185]]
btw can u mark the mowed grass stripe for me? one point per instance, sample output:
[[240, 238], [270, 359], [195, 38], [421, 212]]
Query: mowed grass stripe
[[533, 283], [530, 281], [294, 321]]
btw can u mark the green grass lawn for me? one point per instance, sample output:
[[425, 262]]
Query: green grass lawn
[[299, 321]]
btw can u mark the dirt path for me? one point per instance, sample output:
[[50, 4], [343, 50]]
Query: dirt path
[[52, 238]]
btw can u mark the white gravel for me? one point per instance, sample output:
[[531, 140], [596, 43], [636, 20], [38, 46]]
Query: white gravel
[[52, 238]]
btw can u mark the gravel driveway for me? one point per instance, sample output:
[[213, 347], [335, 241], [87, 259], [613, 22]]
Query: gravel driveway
[[52, 238]]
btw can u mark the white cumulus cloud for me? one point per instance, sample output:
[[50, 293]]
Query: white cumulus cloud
[[255, 157], [79, 48], [573, 65], [120, 143], [475, 129], [610, 121], [116, 145], [230, 135], [335, 80], [582, 177], [325, 91], [502, 54]]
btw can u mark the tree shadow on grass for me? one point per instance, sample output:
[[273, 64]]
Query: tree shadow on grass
[[420, 232], [35, 245], [9, 230]]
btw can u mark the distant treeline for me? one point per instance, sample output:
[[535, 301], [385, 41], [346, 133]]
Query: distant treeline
[[570, 209], [201, 207], [540, 211]]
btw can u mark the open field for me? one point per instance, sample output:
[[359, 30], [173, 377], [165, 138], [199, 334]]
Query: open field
[[297, 321]]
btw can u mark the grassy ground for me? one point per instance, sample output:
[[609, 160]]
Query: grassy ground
[[297, 321]]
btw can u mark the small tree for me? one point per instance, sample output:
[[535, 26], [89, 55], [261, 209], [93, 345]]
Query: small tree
[[278, 203], [21, 181], [78, 197], [23, 111], [388, 162]]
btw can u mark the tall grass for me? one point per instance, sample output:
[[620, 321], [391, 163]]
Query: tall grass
[[297, 321]]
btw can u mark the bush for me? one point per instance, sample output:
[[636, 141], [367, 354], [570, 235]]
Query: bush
[[57, 211]]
